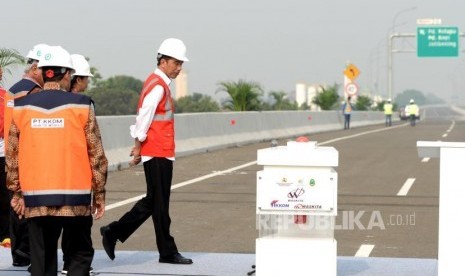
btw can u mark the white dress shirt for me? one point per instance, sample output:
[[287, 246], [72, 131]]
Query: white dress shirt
[[146, 112]]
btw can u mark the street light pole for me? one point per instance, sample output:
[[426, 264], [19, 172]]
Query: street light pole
[[397, 15], [390, 38]]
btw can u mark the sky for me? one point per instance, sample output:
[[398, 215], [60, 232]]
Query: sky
[[275, 43]]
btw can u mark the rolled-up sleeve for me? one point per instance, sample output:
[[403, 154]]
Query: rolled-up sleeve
[[145, 114]]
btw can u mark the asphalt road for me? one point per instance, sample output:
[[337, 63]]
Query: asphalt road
[[213, 206]]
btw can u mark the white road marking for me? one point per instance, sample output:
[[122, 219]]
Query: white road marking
[[426, 159], [406, 187], [361, 134], [444, 135], [364, 250], [185, 183], [216, 173]]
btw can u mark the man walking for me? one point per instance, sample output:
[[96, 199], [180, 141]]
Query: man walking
[[413, 112], [154, 146]]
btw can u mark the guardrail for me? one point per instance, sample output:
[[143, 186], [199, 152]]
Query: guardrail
[[200, 132]]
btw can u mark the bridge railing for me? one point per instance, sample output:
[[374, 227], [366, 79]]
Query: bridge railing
[[200, 132]]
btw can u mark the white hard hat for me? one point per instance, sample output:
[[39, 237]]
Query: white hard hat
[[173, 47], [56, 56], [389, 100], [412, 101], [37, 51], [81, 66]]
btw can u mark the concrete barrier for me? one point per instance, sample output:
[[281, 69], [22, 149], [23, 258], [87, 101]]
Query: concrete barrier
[[200, 132]]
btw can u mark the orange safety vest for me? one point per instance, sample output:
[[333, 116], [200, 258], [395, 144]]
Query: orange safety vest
[[54, 167], [160, 136], [18, 90]]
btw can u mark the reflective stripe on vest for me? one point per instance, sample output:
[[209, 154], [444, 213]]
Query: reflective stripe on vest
[[54, 168]]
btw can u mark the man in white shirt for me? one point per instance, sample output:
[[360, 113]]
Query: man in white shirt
[[153, 134]]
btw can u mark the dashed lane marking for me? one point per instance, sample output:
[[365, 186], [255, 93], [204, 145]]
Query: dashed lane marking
[[364, 250], [406, 187]]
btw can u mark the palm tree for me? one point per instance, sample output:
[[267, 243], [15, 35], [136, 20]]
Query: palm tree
[[10, 57], [281, 101], [243, 95], [327, 98]]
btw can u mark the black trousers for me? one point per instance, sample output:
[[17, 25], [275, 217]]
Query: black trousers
[[19, 235], [44, 234], [158, 176], [4, 203]]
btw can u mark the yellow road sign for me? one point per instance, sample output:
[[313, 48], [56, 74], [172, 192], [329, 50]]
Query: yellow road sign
[[351, 72]]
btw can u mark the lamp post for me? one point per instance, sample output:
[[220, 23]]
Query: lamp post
[[397, 15], [390, 37]]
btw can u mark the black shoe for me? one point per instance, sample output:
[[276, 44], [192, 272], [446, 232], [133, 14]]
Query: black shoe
[[20, 261], [108, 241], [175, 259]]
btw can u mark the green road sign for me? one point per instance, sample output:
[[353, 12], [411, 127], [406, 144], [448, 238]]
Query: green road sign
[[438, 41]]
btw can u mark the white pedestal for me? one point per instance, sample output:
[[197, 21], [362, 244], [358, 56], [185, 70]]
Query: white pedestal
[[451, 203], [296, 257]]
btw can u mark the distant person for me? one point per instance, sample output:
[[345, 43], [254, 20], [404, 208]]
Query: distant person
[[388, 112], [5, 240], [31, 82], [80, 80], [347, 110], [57, 132], [153, 133], [413, 112]]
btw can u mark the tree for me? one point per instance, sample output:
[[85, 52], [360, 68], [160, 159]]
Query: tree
[[117, 95], [281, 102], [196, 103], [404, 97], [114, 101], [97, 76], [243, 95], [10, 57], [122, 82], [363, 103], [327, 98]]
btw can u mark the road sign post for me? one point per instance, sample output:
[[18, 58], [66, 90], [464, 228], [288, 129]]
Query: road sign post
[[438, 41], [350, 74]]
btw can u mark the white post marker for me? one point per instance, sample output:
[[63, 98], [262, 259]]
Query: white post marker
[[296, 209], [451, 204]]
